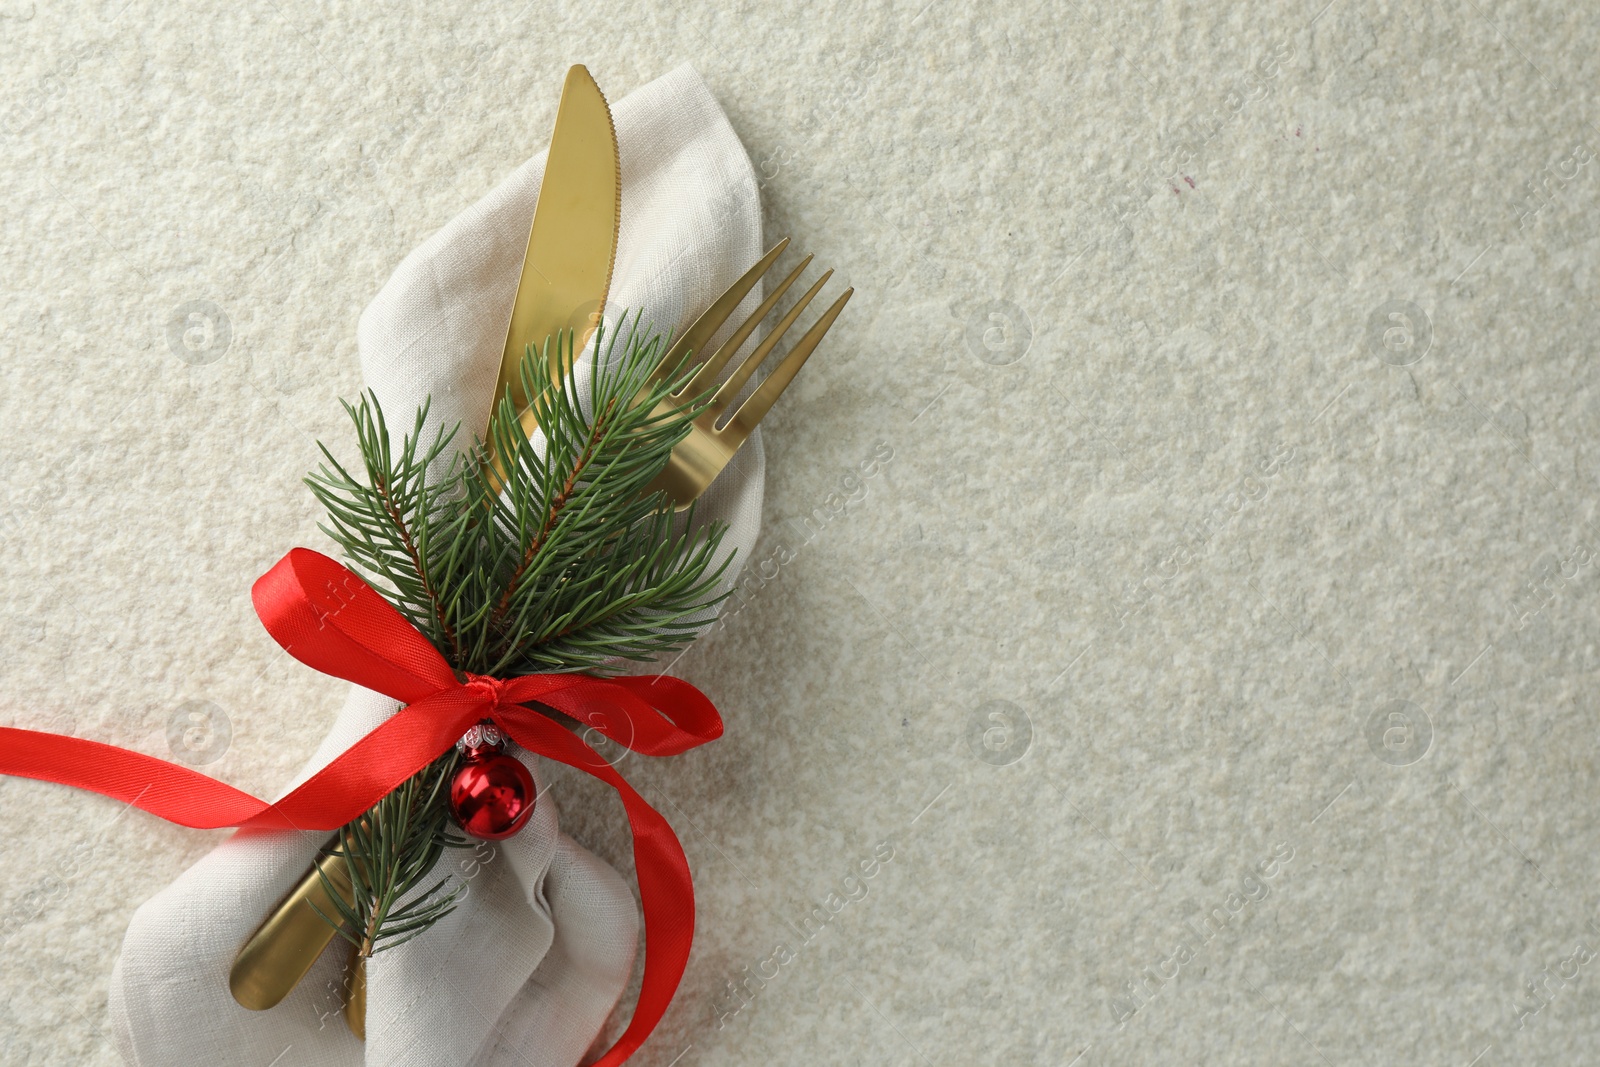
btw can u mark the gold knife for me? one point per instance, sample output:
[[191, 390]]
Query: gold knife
[[566, 273], [572, 244]]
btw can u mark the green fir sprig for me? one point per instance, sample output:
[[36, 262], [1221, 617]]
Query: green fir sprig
[[515, 558]]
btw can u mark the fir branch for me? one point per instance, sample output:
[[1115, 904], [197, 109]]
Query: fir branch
[[551, 558], [554, 514], [581, 594], [384, 523], [389, 852]]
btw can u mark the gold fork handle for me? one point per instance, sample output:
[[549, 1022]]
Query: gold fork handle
[[355, 1002], [280, 953]]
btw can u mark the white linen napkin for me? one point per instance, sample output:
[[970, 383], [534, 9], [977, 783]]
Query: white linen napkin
[[530, 965]]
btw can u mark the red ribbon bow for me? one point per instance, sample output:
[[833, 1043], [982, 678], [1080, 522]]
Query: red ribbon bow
[[328, 618]]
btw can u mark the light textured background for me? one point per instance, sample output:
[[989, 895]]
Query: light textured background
[[1245, 585]]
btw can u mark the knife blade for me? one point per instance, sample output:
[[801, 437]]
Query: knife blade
[[572, 243]]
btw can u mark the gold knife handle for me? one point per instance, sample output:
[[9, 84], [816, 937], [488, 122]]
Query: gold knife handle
[[280, 953]]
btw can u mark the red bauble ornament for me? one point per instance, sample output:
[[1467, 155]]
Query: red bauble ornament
[[492, 794]]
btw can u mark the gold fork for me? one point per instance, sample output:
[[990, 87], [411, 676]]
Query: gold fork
[[284, 947], [702, 455]]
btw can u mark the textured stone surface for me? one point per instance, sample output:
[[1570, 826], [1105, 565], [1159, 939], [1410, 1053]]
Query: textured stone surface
[[1183, 563]]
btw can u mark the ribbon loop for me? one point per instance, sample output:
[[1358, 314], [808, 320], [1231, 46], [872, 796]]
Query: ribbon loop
[[329, 619]]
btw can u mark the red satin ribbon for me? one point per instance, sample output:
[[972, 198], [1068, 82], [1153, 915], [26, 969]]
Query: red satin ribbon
[[328, 618]]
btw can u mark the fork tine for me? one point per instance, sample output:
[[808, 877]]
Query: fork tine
[[755, 409], [730, 388], [696, 337], [707, 372]]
